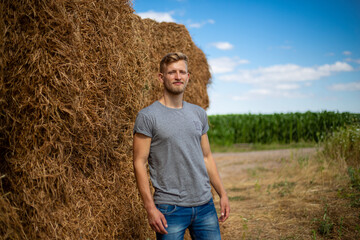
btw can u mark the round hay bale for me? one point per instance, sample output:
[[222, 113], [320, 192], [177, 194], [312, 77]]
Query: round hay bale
[[74, 75]]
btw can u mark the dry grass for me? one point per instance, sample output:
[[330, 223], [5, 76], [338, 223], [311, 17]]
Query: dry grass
[[286, 197]]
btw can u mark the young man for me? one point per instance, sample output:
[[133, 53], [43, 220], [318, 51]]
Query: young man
[[171, 135]]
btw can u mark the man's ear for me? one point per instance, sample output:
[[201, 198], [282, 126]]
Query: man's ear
[[188, 76], [161, 77]]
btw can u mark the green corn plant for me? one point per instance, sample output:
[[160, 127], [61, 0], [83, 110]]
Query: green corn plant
[[282, 128]]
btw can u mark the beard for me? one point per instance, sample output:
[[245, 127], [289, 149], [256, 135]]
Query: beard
[[173, 89]]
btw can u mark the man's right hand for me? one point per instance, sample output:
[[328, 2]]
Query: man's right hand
[[157, 221]]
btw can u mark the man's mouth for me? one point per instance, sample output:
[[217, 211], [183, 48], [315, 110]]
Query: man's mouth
[[178, 83]]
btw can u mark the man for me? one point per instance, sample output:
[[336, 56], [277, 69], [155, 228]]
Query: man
[[171, 135]]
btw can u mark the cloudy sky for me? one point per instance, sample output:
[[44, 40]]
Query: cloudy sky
[[273, 56]]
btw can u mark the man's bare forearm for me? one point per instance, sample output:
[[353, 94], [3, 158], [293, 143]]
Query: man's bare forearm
[[214, 176], [156, 219], [142, 181]]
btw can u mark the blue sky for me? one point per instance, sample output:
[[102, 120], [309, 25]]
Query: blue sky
[[270, 56]]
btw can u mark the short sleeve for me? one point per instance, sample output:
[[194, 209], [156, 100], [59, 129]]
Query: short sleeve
[[205, 123], [143, 125]]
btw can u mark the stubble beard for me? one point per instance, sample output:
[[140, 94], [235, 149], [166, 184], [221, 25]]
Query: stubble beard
[[175, 90]]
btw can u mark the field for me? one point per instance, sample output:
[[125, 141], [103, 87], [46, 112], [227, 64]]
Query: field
[[282, 128], [304, 193]]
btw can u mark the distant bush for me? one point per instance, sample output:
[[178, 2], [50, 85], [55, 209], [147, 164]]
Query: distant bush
[[344, 144]]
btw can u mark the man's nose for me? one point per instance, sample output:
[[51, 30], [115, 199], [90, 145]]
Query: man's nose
[[178, 75]]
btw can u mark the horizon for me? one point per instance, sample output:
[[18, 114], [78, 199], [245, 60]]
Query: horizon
[[284, 113]]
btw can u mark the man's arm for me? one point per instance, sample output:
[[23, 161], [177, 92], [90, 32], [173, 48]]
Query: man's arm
[[215, 178], [141, 149]]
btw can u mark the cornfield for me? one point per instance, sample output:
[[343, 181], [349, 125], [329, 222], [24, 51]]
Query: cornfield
[[226, 130]]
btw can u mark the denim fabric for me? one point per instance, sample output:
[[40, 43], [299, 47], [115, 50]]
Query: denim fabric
[[202, 222]]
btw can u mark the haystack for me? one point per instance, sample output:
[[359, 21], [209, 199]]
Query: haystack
[[74, 74]]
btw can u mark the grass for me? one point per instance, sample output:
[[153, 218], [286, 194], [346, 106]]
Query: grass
[[254, 172], [352, 191], [260, 147], [344, 145], [302, 196], [236, 189], [342, 150], [237, 198], [325, 225], [284, 187]]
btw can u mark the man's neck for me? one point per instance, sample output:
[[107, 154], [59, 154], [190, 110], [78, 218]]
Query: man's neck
[[172, 101]]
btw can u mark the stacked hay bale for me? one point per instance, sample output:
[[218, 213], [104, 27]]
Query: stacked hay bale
[[74, 74]]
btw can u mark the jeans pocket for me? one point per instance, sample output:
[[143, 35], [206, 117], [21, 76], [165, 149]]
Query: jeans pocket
[[166, 209]]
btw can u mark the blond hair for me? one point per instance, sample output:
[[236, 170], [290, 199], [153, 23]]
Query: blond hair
[[172, 57]]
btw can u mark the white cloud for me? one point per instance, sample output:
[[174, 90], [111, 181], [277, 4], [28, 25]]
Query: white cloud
[[336, 67], [347, 53], [352, 86], [225, 64], [158, 16], [279, 74], [201, 24], [195, 25], [282, 81], [287, 86], [239, 98], [223, 45], [353, 60], [262, 93]]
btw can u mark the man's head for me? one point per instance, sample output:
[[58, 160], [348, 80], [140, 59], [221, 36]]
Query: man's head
[[174, 73], [170, 58]]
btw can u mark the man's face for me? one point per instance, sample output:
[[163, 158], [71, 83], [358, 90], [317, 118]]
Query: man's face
[[175, 77]]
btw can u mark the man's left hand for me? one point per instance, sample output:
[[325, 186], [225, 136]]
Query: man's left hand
[[224, 208]]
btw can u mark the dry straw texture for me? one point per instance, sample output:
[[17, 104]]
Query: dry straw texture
[[74, 74]]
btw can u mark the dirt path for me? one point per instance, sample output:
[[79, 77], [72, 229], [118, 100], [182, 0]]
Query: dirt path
[[231, 165], [268, 191]]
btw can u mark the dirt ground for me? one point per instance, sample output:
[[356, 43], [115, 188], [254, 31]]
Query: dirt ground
[[231, 165], [283, 194]]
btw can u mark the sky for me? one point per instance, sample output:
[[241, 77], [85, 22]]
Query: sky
[[272, 56]]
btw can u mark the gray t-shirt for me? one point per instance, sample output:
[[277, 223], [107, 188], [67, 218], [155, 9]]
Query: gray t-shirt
[[176, 162]]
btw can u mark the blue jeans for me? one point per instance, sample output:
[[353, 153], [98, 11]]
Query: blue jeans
[[202, 222]]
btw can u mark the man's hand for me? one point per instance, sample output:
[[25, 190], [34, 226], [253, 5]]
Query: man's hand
[[157, 221], [224, 208]]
